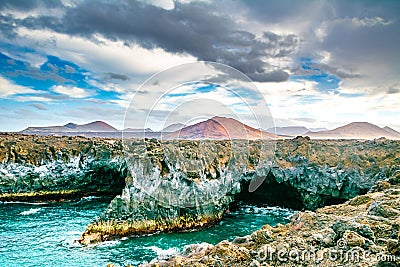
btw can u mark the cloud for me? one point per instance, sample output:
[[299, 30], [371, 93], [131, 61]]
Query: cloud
[[117, 76], [101, 55], [119, 44], [8, 88], [370, 22], [292, 99], [38, 106], [73, 92], [354, 40], [189, 28], [69, 69], [32, 99]]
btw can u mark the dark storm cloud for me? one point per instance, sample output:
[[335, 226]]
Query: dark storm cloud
[[277, 11], [193, 28], [316, 11], [276, 75], [366, 43], [350, 34], [7, 26], [211, 32]]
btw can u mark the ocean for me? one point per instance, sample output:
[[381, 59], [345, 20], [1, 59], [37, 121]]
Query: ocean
[[43, 234]]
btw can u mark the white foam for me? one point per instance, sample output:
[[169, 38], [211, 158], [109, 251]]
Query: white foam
[[89, 198], [30, 211], [74, 233], [163, 254], [108, 243]]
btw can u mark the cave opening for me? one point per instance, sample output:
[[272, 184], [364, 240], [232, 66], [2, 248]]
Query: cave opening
[[106, 180], [269, 193]]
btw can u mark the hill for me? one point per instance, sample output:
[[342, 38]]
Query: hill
[[392, 131], [356, 130], [220, 128], [288, 130], [96, 126]]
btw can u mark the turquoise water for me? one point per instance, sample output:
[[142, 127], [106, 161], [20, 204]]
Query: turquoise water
[[43, 234]]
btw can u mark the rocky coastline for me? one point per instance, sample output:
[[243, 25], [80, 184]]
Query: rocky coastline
[[49, 168], [364, 231], [306, 175]]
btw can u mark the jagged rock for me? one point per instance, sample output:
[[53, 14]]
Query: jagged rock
[[196, 250], [393, 246], [360, 200], [353, 239], [242, 240], [382, 209], [54, 168], [300, 242], [344, 225], [325, 237], [306, 174], [395, 179], [187, 184]]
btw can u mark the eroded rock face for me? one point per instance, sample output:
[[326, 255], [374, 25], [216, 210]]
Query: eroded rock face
[[55, 168], [341, 235], [166, 193], [195, 182]]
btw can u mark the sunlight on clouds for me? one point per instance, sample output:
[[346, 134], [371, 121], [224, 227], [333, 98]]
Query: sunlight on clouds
[[73, 92], [165, 4], [124, 100], [289, 100], [103, 55], [8, 88], [39, 11], [32, 99]]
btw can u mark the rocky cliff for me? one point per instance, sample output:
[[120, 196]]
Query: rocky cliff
[[179, 185], [55, 168], [364, 231]]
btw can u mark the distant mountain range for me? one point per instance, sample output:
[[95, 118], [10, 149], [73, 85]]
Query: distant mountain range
[[356, 130], [173, 127], [293, 130], [288, 130], [219, 128], [147, 130], [96, 126]]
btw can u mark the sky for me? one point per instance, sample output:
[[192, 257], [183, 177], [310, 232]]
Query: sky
[[315, 63]]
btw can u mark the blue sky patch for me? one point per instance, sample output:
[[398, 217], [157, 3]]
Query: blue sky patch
[[326, 82]]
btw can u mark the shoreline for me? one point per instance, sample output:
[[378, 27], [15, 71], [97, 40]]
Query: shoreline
[[308, 174], [364, 231], [51, 196]]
